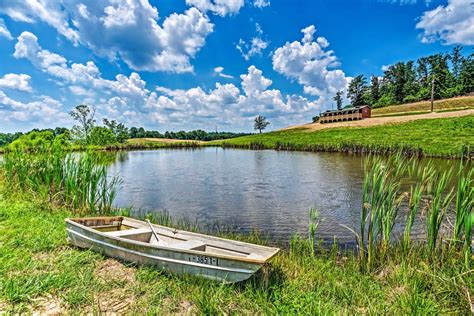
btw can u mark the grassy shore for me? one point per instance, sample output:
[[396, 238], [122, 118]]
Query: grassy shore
[[431, 137], [40, 272], [134, 144]]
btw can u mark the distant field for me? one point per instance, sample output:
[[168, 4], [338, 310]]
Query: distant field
[[425, 106], [429, 137]]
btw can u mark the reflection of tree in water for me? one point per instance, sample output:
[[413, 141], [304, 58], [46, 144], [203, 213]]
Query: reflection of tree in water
[[108, 158]]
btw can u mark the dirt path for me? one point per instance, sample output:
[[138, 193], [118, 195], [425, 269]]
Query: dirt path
[[384, 120]]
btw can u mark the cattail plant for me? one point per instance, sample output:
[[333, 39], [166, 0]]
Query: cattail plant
[[468, 227], [77, 181], [440, 200], [464, 201], [416, 192], [313, 225], [381, 200]]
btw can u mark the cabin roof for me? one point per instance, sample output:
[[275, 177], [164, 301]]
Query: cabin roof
[[347, 109]]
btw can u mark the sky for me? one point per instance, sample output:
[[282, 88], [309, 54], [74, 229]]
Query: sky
[[206, 64]]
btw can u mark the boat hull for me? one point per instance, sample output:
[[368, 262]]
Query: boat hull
[[169, 260]]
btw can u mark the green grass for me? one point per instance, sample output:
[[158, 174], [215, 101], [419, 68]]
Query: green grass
[[38, 268], [395, 114], [439, 106], [433, 137]]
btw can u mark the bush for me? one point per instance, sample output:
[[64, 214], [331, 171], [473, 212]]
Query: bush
[[410, 99], [101, 136], [453, 92], [37, 141], [424, 94], [385, 100]]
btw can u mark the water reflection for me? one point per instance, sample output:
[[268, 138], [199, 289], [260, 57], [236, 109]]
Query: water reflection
[[266, 190]]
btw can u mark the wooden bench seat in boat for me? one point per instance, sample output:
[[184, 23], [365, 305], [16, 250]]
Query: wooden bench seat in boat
[[145, 234], [191, 244], [139, 234]]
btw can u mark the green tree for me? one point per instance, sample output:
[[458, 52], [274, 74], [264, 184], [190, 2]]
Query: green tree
[[101, 136], [338, 99], [133, 132], [466, 75], [356, 90], [260, 123], [456, 61], [118, 129], [443, 78], [374, 89], [84, 115]]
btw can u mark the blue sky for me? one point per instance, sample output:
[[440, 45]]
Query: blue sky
[[188, 64]]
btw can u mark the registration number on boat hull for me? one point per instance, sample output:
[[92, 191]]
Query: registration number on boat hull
[[204, 260]]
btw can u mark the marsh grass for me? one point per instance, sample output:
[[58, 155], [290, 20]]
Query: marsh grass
[[79, 182], [423, 177], [391, 182], [439, 201]]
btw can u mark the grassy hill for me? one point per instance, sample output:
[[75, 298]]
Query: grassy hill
[[430, 137]]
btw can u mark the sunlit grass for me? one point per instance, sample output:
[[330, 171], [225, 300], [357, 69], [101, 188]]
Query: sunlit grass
[[450, 137]]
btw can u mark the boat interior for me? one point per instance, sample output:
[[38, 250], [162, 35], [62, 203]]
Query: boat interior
[[139, 231]]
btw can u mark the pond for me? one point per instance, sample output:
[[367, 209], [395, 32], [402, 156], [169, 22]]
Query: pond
[[244, 190]]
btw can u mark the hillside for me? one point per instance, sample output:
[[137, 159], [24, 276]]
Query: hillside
[[439, 137], [447, 108]]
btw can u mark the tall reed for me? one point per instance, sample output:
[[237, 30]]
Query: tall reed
[[464, 200], [313, 225], [381, 200], [468, 226], [77, 181], [440, 200], [422, 179], [391, 182]]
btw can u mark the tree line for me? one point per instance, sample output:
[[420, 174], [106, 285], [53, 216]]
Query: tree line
[[449, 74], [140, 132], [88, 132]]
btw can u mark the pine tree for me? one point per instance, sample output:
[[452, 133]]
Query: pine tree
[[356, 90], [338, 99], [374, 89]]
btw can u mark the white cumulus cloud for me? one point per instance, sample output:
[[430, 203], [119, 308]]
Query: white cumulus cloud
[[4, 30], [128, 99], [19, 82], [50, 12], [261, 3], [450, 24], [219, 7], [311, 65], [255, 46], [128, 29], [220, 72], [44, 110]]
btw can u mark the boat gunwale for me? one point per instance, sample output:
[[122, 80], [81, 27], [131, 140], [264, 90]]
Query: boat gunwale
[[155, 257], [194, 252]]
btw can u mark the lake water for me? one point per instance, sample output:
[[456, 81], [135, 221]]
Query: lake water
[[245, 190]]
